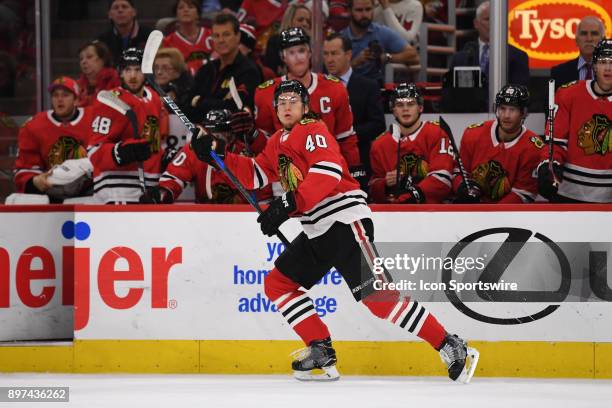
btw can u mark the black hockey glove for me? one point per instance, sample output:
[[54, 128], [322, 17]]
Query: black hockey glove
[[168, 156], [360, 174], [132, 151], [242, 122], [156, 195], [202, 143], [410, 193], [546, 186], [277, 213], [468, 196]]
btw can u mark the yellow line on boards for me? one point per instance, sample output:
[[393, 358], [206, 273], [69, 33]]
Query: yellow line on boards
[[497, 359]]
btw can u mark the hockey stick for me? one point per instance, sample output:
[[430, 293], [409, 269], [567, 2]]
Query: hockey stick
[[150, 50], [148, 57], [111, 100], [552, 111], [449, 133], [397, 170]]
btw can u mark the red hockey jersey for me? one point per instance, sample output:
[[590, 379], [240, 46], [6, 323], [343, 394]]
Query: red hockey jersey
[[307, 161], [583, 142], [196, 53], [263, 12], [114, 183], [44, 141], [505, 172], [328, 98], [424, 155], [211, 185]]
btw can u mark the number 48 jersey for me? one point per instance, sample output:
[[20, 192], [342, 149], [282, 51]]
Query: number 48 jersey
[[112, 182], [306, 161]]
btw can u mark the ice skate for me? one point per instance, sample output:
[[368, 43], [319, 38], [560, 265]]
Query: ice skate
[[460, 359], [316, 362]]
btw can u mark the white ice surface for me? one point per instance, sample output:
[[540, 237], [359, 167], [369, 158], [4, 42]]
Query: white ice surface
[[175, 391]]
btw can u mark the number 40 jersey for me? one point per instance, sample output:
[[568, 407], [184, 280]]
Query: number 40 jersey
[[306, 161], [328, 99]]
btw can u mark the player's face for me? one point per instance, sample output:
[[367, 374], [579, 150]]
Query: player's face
[[164, 71], [510, 118], [91, 64], [362, 13], [63, 102], [297, 59], [225, 39], [407, 111], [121, 12], [290, 109], [587, 37], [133, 78], [186, 12], [301, 19], [603, 74], [337, 61]]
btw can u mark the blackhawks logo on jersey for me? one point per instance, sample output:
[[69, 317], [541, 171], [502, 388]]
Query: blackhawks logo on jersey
[[492, 179], [595, 135], [150, 132], [290, 176], [197, 56], [414, 166], [65, 148]]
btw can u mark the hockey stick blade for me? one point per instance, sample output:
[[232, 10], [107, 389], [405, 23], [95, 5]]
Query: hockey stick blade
[[234, 93], [111, 100], [150, 51]]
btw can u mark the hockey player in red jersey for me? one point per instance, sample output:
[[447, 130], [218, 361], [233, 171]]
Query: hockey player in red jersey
[[422, 150], [211, 185], [500, 156], [582, 158], [114, 151], [51, 137], [328, 97], [338, 231]]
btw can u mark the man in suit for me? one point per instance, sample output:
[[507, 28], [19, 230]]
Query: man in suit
[[588, 33], [476, 53], [364, 93]]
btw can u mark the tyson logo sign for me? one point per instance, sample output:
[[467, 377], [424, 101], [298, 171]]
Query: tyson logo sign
[[546, 29]]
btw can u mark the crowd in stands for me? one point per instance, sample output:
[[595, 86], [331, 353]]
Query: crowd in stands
[[223, 76]]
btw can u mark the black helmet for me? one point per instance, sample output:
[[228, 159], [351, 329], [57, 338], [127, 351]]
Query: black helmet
[[293, 36], [218, 120], [603, 49], [130, 56], [291, 86], [513, 95], [405, 91]]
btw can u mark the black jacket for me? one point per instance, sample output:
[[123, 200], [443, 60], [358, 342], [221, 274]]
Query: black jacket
[[564, 73], [116, 45], [368, 116], [211, 85], [518, 62]]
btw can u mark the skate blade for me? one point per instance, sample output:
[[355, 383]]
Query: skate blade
[[323, 374], [471, 361]]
